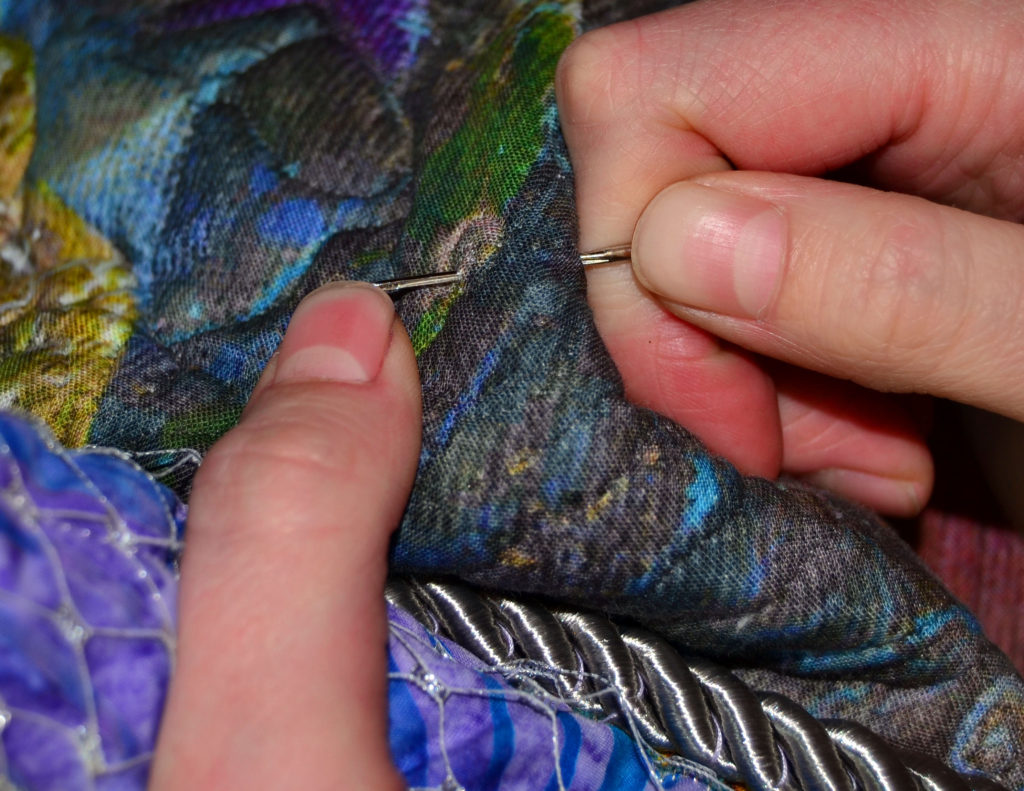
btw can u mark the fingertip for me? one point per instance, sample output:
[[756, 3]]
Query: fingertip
[[889, 496], [588, 72], [348, 336], [626, 138], [340, 332], [711, 249], [866, 446], [714, 390]]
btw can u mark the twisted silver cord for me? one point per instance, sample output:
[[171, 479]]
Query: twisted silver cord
[[679, 705]]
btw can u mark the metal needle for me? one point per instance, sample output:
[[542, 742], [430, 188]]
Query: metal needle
[[421, 281], [612, 255]]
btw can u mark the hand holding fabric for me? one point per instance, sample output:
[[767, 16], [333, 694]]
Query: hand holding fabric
[[280, 679], [891, 290]]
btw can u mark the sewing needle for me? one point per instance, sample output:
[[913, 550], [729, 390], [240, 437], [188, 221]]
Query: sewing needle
[[420, 281], [612, 255]]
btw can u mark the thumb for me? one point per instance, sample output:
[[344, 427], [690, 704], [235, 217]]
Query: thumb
[[889, 290], [281, 664]]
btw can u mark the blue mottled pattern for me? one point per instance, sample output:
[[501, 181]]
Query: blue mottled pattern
[[88, 544], [88, 550], [452, 716]]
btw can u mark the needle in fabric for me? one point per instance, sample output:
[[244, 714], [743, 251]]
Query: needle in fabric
[[612, 255], [420, 281]]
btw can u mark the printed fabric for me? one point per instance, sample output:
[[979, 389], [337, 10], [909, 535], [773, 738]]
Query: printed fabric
[[177, 174]]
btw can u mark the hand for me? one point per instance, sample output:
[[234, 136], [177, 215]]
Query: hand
[[280, 679], [893, 291]]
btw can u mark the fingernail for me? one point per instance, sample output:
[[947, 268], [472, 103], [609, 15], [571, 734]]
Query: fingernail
[[710, 249], [339, 333]]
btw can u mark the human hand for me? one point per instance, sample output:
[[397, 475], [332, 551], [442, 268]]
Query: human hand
[[280, 679], [889, 290]]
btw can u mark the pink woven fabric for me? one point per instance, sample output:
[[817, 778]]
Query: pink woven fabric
[[983, 564]]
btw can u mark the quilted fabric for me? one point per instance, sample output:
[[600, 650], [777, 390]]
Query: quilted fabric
[[456, 723], [89, 545], [201, 165]]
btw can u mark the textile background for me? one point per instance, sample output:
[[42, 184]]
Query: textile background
[[194, 168]]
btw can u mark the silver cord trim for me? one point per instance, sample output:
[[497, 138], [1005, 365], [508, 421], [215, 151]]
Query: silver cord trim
[[686, 706]]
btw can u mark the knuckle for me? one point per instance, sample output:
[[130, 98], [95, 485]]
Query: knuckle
[[300, 446], [592, 81], [910, 294], [299, 460]]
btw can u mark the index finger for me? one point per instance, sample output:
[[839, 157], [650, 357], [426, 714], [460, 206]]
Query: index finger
[[796, 87]]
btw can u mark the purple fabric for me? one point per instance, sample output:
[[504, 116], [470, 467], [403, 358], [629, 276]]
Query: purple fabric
[[454, 719], [88, 586], [87, 613]]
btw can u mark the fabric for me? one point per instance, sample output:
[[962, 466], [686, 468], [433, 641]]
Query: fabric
[[965, 536], [456, 721], [89, 545], [199, 166], [983, 565]]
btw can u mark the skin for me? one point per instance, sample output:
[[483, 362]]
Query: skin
[[892, 290], [280, 676], [280, 679]]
